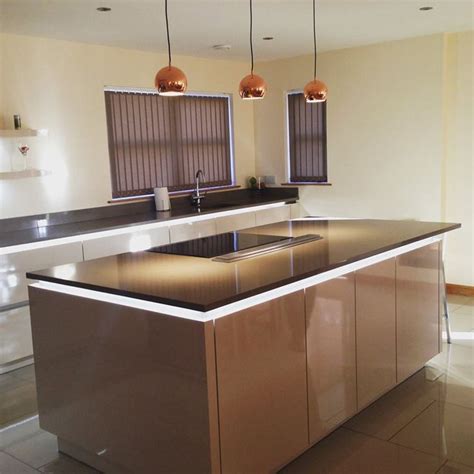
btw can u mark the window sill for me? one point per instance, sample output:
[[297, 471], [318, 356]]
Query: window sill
[[173, 194], [306, 184], [210, 190]]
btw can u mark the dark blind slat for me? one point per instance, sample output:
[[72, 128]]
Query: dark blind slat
[[155, 141], [307, 140]]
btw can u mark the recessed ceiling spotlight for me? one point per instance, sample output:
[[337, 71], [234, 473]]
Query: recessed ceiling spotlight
[[425, 9], [222, 47], [268, 38], [103, 9]]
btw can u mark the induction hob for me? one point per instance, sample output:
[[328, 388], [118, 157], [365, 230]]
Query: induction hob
[[216, 245]]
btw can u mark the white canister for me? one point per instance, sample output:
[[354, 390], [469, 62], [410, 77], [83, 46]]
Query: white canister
[[162, 199]]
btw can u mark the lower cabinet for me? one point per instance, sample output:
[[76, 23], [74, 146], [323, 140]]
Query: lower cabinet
[[192, 230], [235, 222], [15, 330], [13, 268], [331, 354], [127, 242], [376, 331], [297, 211], [15, 336], [417, 309], [291, 370], [275, 214], [261, 377]]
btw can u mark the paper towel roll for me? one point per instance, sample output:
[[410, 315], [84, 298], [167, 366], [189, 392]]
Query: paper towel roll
[[162, 199]]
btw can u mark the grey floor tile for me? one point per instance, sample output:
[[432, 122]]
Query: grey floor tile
[[18, 432], [66, 465], [465, 310], [36, 451], [18, 400], [443, 430], [347, 452], [460, 300], [10, 465], [388, 415], [25, 373], [455, 468], [462, 320]]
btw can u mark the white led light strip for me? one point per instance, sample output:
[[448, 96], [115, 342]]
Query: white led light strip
[[241, 304], [134, 228]]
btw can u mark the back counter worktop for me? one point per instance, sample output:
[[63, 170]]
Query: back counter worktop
[[58, 225], [203, 284]]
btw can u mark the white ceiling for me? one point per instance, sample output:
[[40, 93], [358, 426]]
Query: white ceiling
[[197, 25]]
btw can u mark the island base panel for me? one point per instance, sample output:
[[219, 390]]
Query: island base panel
[[128, 386]]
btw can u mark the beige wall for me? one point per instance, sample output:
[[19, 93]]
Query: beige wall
[[458, 186], [58, 85], [386, 136], [384, 129]]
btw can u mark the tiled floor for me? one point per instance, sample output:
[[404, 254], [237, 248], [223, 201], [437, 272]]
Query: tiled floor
[[425, 425], [18, 395]]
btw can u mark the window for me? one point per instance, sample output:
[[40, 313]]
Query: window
[[307, 152], [156, 141]]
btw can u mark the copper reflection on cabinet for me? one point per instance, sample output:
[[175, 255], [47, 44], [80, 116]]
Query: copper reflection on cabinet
[[261, 376], [376, 332], [330, 339]]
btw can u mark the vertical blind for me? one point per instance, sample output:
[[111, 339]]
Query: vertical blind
[[307, 140], [156, 141]]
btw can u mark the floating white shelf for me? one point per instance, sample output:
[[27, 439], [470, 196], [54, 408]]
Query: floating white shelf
[[23, 133], [29, 173]]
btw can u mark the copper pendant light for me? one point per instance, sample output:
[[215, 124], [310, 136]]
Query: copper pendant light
[[316, 90], [170, 81], [252, 86]]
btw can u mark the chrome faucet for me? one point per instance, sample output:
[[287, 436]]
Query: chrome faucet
[[197, 194]]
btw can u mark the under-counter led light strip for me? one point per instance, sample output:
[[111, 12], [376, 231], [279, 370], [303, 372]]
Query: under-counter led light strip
[[240, 305], [134, 228]]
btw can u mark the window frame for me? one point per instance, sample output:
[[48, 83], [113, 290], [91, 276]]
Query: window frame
[[144, 90], [287, 145]]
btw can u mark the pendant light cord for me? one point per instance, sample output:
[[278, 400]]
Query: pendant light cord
[[251, 37], [168, 33], [314, 35]]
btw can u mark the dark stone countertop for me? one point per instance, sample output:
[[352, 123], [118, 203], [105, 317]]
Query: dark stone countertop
[[29, 229], [202, 284]]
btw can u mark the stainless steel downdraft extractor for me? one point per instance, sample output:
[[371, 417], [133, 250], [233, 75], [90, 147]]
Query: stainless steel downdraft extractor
[[266, 248]]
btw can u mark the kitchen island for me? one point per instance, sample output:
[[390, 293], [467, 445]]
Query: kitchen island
[[164, 362]]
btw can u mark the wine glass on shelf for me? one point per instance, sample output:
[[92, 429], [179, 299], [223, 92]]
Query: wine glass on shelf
[[24, 149]]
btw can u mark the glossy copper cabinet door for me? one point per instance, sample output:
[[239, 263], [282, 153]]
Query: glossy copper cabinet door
[[417, 309], [376, 331], [330, 339], [261, 377]]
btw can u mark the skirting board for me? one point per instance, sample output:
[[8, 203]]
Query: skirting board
[[463, 290]]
